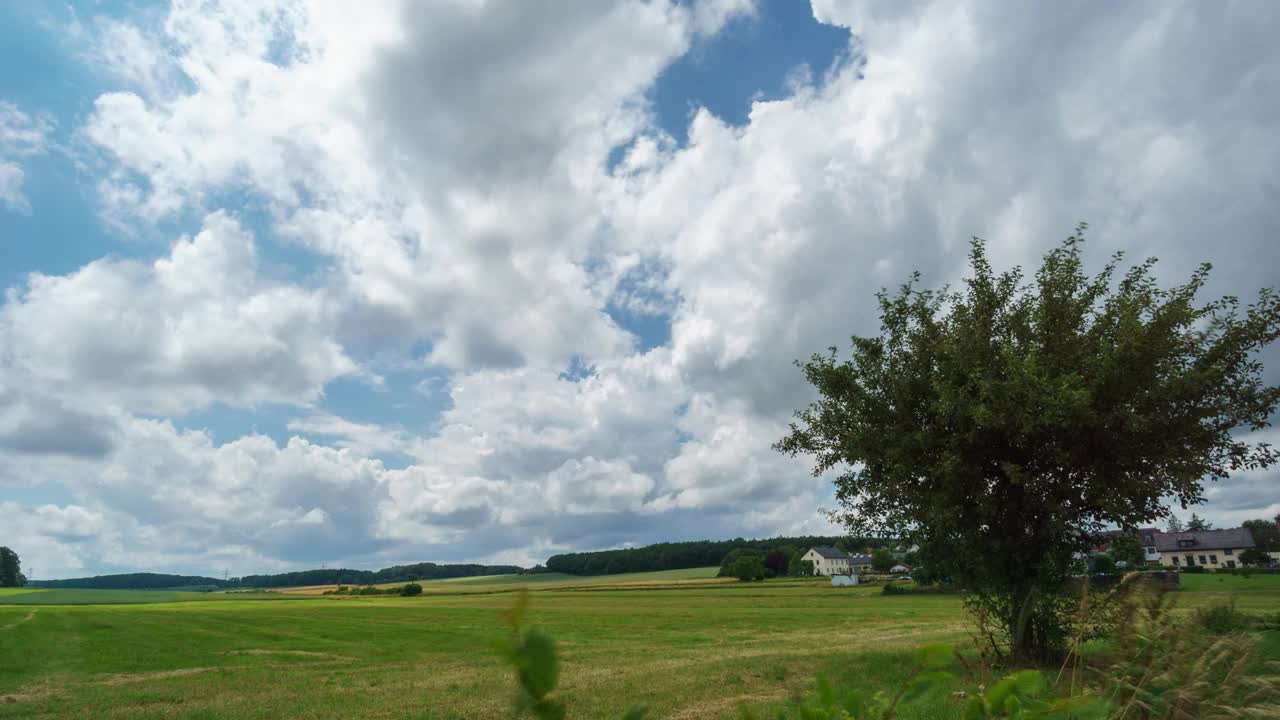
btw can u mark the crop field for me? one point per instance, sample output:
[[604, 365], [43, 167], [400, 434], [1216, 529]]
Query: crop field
[[688, 646]]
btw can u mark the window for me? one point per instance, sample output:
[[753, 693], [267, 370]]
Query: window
[[1202, 562], [1231, 563], [1151, 551], [1228, 551], [1175, 559], [1213, 559], [1191, 560], [1186, 543]]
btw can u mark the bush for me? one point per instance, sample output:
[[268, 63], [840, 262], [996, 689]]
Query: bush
[[748, 568], [1193, 569], [1222, 619], [410, 589], [1256, 557]]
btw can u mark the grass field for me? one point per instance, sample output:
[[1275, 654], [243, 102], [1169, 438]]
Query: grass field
[[689, 647], [543, 581]]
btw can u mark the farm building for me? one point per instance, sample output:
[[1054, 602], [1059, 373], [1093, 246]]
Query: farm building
[[828, 561], [1206, 548]]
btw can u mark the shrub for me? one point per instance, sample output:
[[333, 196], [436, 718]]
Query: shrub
[[1193, 569], [412, 588], [748, 568]]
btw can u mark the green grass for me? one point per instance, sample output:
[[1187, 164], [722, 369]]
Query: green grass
[[692, 650]]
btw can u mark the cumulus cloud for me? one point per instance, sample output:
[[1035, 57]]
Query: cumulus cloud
[[451, 163], [196, 326]]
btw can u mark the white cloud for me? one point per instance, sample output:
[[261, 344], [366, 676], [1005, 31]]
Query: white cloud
[[21, 136], [196, 326], [450, 162]]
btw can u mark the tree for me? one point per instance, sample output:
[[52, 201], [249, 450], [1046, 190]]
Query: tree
[[805, 568], [410, 589], [1196, 523], [882, 560], [1003, 425], [748, 567], [1255, 556], [1175, 525], [1266, 534], [728, 563], [779, 560], [1101, 564], [11, 569], [1127, 548]]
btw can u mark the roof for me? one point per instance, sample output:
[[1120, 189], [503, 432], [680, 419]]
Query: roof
[[859, 559], [1204, 540], [831, 553], [1146, 535]]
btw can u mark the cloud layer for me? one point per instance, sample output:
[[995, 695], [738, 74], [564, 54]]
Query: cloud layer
[[481, 192]]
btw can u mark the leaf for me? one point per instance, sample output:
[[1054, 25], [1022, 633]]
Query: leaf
[[938, 655], [515, 616], [975, 709], [1012, 707], [1000, 691], [539, 669], [1028, 682], [826, 692], [925, 685], [637, 712]]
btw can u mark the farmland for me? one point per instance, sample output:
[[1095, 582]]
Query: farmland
[[688, 646]]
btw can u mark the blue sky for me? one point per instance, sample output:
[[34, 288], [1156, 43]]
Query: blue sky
[[488, 282]]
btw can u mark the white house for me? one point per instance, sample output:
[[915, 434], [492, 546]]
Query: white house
[[900, 569], [828, 561], [1208, 548]]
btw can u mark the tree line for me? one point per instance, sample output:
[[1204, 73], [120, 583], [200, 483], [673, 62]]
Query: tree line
[[334, 576], [700, 553]]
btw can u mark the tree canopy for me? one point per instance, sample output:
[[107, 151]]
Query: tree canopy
[[1197, 523], [1002, 425], [11, 569], [1266, 534], [882, 560]]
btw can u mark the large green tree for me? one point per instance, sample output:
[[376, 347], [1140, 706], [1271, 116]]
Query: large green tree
[[1266, 534], [10, 569], [1001, 425]]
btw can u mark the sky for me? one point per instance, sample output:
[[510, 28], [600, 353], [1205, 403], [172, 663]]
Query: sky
[[291, 282]]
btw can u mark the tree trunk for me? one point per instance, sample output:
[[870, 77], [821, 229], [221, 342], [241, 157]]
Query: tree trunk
[[1024, 645]]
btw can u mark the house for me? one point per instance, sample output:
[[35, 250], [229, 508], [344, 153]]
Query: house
[[828, 561], [900, 569], [1146, 536], [1203, 548], [860, 563]]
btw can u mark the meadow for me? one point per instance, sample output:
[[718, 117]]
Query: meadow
[[688, 646]]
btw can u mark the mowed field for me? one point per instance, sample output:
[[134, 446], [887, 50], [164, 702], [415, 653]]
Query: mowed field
[[688, 647]]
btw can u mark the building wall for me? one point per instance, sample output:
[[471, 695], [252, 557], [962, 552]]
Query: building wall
[[827, 566], [1224, 558]]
